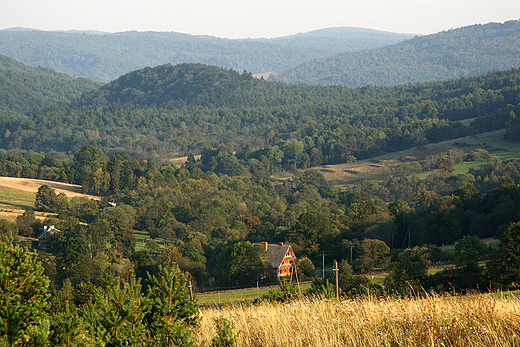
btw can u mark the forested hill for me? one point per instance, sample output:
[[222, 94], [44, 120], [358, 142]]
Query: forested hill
[[341, 39], [451, 54], [26, 88], [168, 111], [104, 57]]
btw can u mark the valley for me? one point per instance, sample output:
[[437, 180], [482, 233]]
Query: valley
[[389, 162]]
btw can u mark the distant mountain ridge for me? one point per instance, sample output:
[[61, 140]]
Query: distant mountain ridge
[[104, 56], [456, 53]]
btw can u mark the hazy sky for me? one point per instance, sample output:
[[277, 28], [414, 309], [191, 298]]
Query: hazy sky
[[264, 18]]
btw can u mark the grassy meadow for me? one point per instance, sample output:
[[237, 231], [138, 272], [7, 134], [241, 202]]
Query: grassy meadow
[[13, 202], [472, 320], [242, 295]]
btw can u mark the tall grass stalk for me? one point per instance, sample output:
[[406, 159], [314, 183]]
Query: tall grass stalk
[[473, 320]]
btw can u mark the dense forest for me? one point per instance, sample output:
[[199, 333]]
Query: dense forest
[[451, 54], [167, 111], [105, 56], [202, 216]]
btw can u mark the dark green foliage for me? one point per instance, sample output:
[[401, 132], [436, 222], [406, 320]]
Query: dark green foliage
[[115, 315], [67, 326], [350, 284], [194, 107], [468, 251], [23, 295], [374, 254], [305, 268], [468, 275], [242, 264], [171, 311], [323, 288], [73, 260], [8, 229], [46, 199], [310, 231], [28, 225], [409, 272], [504, 269], [284, 294]]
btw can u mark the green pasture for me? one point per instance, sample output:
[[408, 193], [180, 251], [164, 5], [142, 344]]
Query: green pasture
[[241, 295], [17, 198], [504, 150], [142, 237]]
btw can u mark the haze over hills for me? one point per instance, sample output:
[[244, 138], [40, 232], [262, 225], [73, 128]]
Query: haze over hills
[[451, 54], [104, 56]]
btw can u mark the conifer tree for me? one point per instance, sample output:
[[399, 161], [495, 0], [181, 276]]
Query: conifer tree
[[115, 316], [23, 296], [171, 311]]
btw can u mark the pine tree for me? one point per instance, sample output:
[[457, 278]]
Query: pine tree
[[115, 316], [171, 311], [23, 295]]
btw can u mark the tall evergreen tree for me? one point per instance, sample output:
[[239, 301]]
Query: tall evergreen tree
[[171, 311], [23, 295]]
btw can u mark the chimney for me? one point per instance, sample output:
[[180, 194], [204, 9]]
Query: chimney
[[281, 243], [265, 244]]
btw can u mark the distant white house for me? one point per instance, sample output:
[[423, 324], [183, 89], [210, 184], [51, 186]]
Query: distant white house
[[49, 233]]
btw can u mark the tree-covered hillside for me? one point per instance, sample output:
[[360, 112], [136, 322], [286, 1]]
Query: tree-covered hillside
[[25, 88], [451, 54], [105, 57], [167, 111]]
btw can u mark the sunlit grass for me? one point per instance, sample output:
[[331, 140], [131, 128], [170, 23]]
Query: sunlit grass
[[473, 320]]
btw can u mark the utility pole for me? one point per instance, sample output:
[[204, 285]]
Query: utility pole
[[297, 280], [323, 261], [191, 291], [336, 270]]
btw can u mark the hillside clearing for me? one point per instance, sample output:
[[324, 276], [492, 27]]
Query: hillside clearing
[[347, 175], [17, 194]]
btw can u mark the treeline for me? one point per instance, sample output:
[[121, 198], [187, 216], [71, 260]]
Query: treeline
[[157, 113], [451, 54]]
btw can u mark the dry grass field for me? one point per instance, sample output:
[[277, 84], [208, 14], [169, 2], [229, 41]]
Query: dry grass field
[[473, 320], [16, 194]]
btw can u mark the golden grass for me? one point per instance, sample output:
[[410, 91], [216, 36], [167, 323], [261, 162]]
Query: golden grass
[[478, 320], [30, 185]]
